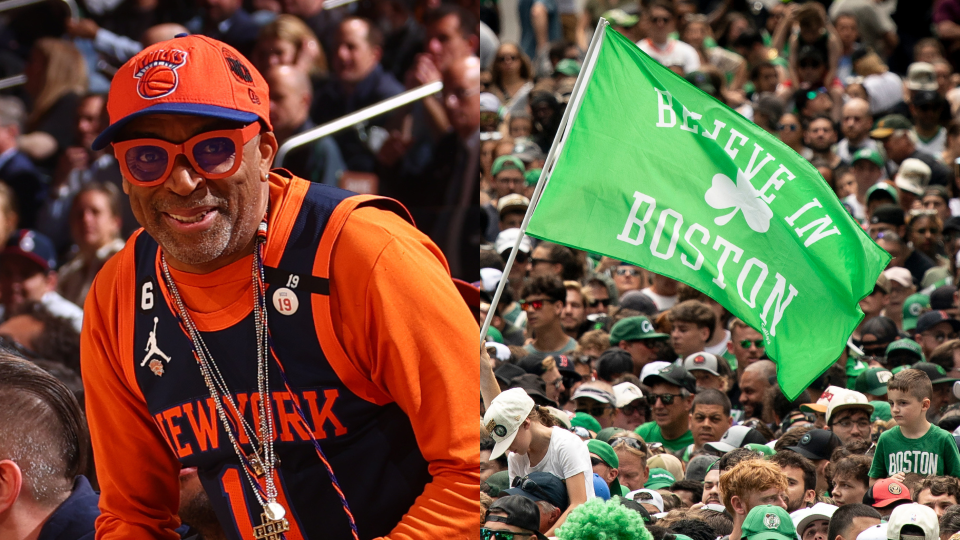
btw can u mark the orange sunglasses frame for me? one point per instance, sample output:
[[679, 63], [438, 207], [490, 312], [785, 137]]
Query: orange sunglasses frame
[[240, 138]]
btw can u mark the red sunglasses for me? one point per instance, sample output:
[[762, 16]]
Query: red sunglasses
[[214, 154]]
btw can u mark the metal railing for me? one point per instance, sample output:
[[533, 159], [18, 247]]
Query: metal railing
[[334, 4], [9, 82], [7, 5], [366, 113]]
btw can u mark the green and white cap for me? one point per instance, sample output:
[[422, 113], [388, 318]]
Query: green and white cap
[[913, 306], [873, 381], [768, 522]]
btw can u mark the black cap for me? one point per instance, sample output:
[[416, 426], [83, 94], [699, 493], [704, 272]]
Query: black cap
[[520, 512], [535, 387], [935, 372], [506, 372], [889, 214], [565, 365], [952, 224], [638, 301], [638, 508], [675, 375], [932, 318], [926, 97], [942, 297], [541, 486], [613, 363], [817, 444]]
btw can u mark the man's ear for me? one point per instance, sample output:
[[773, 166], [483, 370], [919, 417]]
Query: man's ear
[[704, 334], [268, 150], [11, 483], [738, 505]]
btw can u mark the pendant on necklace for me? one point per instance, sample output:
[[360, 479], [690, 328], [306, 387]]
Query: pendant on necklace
[[270, 529], [256, 465], [274, 511]]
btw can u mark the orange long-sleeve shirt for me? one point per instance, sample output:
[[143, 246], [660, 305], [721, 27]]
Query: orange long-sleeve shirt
[[404, 336]]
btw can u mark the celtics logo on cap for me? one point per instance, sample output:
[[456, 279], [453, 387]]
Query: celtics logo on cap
[[805, 439], [771, 521], [699, 359], [884, 376], [894, 489], [915, 309], [646, 326], [500, 431]]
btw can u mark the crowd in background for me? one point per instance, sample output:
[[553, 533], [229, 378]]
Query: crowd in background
[[623, 403]]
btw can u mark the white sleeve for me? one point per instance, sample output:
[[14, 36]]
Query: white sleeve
[[574, 457]]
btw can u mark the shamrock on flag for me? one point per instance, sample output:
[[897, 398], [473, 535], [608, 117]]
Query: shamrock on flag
[[650, 170], [742, 197]]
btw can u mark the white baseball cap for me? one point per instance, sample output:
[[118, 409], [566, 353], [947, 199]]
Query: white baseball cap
[[507, 238], [913, 514], [913, 176], [504, 416], [847, 399], [490, 278], [876, 532], [899, 274], [652, 368], [657, 499], [805, 516], [821, 405], [626, 393], [702, 361]]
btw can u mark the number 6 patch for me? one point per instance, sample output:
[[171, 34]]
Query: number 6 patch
[[285, 301]]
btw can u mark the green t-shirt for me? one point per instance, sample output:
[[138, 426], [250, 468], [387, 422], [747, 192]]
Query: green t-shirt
[[569, 347], [651, 433], [933, 454]]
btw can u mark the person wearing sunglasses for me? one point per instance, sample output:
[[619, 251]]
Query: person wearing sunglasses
[[659, 23], [933, 329], [597, 399], [670, 399], [543, 299], [637, 336], [746, 345], [513, 517], [628, 277], [231, 293], [632, 409]]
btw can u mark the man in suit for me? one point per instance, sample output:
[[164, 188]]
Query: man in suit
[[16, 169]]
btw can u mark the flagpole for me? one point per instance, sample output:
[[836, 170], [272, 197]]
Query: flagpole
[[590, 60]]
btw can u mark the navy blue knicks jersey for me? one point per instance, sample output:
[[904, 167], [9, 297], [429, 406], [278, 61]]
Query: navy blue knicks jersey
[[370, 447]]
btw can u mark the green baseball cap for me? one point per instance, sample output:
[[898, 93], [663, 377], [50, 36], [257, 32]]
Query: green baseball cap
[[873, 381], [532, 177], [913, 306], [906, 347], [568, 67], [607, 433], [881, 411], [507, 162], [584, 420], [494, 334], [498, 481], [885, 188], [605, 452], [888, 124], [619, 17], [659, 478], [768, 522], [633, 329], [870, 155], [761, 448]]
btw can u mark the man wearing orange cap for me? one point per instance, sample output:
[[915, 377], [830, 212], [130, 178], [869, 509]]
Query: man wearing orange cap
[[266, 331]]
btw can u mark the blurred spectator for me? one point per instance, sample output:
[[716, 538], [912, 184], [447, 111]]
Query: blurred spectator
[[38, 334], [900, 143], [116, 48], [28, 274], [539, 26], [881, 85], [876, 29], [16, 169], [56, 78], [95, 228], [512, 77], [322, 22], [677, 55], [359, 81], [856, 122], [403, 35], [226, 21], [287, 41], [290, 98]]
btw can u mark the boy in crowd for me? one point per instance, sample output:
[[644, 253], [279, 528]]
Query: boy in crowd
[[693, 324], [914, 445]]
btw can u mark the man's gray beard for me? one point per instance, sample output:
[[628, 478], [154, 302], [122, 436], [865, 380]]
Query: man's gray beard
[[212, 245]]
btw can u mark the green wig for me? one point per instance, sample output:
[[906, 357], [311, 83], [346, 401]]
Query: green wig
[[599, 520]]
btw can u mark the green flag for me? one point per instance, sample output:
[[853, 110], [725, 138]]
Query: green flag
[[653, 171]]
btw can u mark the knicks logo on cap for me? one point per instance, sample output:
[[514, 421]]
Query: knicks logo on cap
[[157, 72]]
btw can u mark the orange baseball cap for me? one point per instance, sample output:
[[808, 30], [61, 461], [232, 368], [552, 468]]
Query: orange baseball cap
[[192, 75]]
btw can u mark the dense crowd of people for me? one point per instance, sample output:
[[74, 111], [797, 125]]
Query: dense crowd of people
[[619, 403]]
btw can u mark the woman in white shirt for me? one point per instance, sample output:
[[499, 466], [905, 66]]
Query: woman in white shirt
[[517, 425]]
